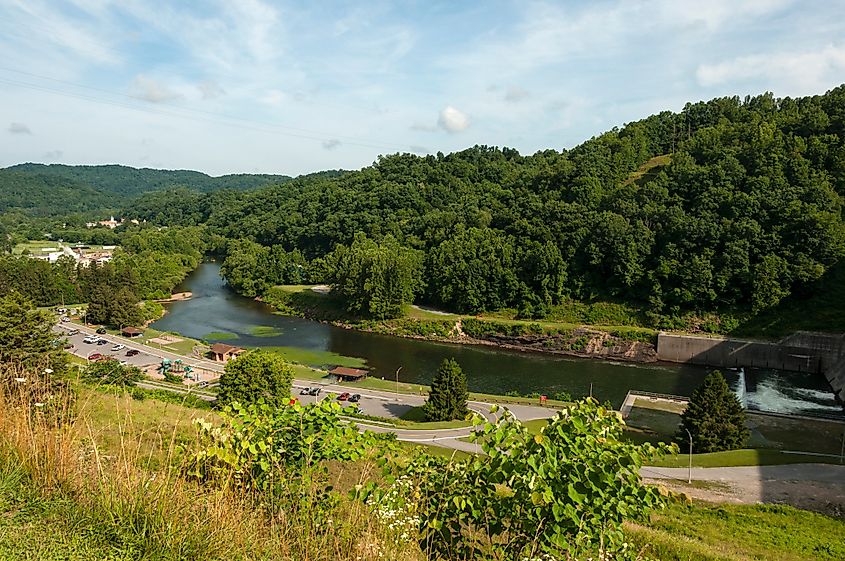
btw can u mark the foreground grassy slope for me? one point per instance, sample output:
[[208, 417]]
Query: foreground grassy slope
[[119, 512], [739, 533]]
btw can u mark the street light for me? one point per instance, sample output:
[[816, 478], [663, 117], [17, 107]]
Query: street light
[[397, 383], [689, 471]]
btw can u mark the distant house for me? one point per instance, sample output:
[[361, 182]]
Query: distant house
[[345, 374], [131, 331], [222, 352], [110, 223]]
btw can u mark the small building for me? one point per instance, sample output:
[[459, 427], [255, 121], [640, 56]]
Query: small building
[[131, 332], [345, 374], [221, 352]]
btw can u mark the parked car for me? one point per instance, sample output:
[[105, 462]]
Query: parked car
[[68, 345], [133, 352], [102, 342], [305, 391], [118, 347], [315, 391], [95, 356], [65, 319], [61, 310], [73, 332], [90, 340], [343, 397], [101, 330], [355, 398]]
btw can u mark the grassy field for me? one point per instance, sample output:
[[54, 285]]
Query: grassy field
[[745, 457], [317, 359], [739, 533]]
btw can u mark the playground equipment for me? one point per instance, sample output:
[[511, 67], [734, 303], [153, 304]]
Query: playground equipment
[[176, 367]]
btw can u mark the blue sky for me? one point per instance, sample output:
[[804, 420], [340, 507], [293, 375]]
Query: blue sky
[[292, 87]]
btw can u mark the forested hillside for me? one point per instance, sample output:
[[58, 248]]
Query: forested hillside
[[731, 204], [51, 190]]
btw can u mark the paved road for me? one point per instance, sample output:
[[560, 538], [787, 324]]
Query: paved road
[[819, 487], [373, 402]]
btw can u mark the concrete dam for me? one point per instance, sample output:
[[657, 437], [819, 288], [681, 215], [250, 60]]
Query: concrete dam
[[803, 351]]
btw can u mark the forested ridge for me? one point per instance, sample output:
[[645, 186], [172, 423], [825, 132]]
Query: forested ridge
[[730, 204], [57, 190]]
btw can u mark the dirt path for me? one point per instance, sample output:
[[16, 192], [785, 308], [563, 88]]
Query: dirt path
[[818, 487]]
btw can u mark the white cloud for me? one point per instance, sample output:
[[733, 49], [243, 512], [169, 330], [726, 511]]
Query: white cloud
[[515, 94], [53, 155], [18, 128], [331, 144], [210, 89], [149, 89], [799, 73], [453, 120]]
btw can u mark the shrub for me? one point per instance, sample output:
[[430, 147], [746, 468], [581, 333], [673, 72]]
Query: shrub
[[256, 375], [560, 494]]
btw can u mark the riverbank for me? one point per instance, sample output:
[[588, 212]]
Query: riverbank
[[176, 297], [618, 343]]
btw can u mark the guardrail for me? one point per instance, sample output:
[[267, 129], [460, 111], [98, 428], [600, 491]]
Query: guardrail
[[668, 396]]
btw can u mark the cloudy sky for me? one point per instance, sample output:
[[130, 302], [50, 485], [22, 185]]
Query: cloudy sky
[[292, 87]]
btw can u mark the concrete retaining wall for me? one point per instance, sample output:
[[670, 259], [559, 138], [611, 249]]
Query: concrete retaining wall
[[733, 353]]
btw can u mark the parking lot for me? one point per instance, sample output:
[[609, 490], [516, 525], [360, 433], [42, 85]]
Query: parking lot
[[83, 350]]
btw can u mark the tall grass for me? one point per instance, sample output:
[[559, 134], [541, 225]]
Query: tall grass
[[137, 502]]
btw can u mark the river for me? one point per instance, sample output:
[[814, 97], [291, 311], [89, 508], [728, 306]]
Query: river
[[216, 313]]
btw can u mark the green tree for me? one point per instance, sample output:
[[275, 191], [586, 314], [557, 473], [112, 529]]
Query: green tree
[[714, 417], [256, 375], [123, 309], [27, 340], [375, 279], [99, 305], [448, 397]]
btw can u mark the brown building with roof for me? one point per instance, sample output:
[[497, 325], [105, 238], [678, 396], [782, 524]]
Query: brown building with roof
[[348, 374], [221, 352], [131, 331]]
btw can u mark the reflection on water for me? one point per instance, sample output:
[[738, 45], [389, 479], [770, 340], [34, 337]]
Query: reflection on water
[[216, 309]]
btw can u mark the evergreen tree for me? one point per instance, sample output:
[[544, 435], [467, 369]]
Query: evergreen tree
[[123, 309], [26, 336], [99, 304], [448, 397], [714, 417], [256, 375]]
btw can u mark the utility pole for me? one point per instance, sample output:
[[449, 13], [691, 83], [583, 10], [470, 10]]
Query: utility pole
[[689, 471], [397, 383], [842, 449]]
